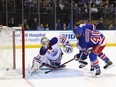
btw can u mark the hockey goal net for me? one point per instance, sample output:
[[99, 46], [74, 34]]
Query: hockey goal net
[[11, 58]]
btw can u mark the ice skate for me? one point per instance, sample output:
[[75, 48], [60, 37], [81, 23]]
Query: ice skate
[[82, 64], [108, 64], [98, 72], [92, 68]]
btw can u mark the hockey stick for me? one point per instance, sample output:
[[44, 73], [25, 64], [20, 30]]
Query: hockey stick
[[60, 65]]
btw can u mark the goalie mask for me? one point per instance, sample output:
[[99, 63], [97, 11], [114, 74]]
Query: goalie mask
[[45, 42]]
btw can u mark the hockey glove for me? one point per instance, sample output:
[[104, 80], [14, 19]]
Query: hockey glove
[[67, 48]]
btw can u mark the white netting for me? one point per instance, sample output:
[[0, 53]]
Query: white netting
[[6, 52]]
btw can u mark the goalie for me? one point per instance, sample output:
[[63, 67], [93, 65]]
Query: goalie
[[50, 54]]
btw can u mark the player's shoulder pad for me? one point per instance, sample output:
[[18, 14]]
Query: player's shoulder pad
[[42, 51], [84, 28], [90, 26], [53, 41]]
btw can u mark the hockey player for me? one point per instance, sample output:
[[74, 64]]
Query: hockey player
[[91, 42], [50, 54], [92, 27]]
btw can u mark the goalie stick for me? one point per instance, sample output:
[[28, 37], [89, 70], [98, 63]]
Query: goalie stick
[[60, 65]]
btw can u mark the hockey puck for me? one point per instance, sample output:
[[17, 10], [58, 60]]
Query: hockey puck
[[7, 69]]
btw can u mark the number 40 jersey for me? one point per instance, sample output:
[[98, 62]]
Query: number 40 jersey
[[91, 38]]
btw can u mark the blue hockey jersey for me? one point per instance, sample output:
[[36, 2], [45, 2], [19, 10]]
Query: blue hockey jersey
[[90, 38]]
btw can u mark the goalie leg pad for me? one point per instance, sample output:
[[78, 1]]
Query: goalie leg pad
[[35, 67]]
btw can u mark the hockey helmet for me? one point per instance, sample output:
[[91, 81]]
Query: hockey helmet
[[78, 30]]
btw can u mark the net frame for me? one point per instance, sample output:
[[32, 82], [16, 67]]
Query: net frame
[[14, 51]]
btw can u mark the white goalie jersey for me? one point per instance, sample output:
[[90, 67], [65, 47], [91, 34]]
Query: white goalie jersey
[[50, 53], [54, 52], [42, 59]]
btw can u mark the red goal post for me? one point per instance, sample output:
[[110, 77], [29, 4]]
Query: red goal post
[[23, 52]]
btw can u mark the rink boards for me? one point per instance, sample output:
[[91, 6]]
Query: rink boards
[[32, 38]]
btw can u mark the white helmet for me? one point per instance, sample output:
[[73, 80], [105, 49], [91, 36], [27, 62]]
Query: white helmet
[[45, 42]]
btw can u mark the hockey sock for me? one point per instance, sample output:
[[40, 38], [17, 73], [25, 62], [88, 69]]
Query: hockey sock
[[103, 57]]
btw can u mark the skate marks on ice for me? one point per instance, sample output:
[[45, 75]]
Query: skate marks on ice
[[59, 73], [73, 73]]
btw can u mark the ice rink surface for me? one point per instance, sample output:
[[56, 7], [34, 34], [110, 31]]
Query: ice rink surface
[[71, 76]]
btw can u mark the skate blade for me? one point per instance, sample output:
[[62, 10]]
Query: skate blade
[[109, 67], [97, 76]]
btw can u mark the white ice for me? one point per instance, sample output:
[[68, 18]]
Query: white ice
[[71, 76]]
